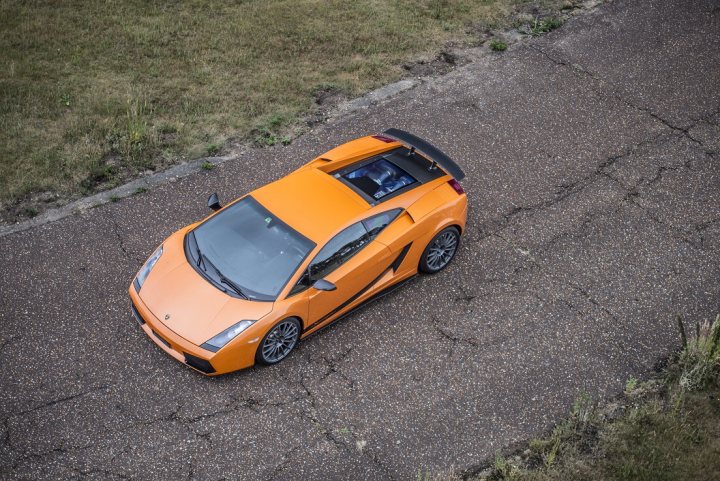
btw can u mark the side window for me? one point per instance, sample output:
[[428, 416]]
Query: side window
[[377, 223], [341, 248]]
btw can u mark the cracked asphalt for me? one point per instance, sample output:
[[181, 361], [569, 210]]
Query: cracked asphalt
[[593, 166]]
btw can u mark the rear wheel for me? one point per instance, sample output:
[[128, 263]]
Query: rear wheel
[[440, 251], [278, 342]]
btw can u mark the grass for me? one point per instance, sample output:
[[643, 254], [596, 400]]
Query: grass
[[542, 26], [663, 429], [94, 93], [212, 149], [498, 45], [631, 385]]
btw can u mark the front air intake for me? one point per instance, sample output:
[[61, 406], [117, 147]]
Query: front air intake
[[202, 365], [137, 315]]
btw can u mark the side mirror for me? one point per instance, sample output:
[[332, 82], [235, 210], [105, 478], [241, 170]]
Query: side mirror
[[323, 285], [214, 202]]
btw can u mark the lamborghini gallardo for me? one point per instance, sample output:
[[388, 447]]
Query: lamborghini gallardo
[[258, 275]]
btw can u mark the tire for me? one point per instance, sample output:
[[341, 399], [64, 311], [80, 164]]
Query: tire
[[279, 342], [440, 251]]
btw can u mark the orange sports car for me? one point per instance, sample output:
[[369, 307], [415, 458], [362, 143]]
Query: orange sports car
[[246, 284]]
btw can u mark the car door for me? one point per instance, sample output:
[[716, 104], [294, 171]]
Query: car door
[[353, 261]]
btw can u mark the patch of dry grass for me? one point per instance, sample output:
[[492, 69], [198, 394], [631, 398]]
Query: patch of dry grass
[[93, 92], [664, 429]]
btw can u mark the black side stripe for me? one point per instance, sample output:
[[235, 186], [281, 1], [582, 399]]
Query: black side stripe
[[396, 263], [350, 300], [385, 291], [361, 291]]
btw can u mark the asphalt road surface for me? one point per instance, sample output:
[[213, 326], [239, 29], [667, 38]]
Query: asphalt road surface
[[594, 182]]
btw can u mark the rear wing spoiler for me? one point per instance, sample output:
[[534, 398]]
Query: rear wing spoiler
[[431, 152]]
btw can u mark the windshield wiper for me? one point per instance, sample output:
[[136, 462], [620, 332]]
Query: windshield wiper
[[238, 290], [224, 280], [199, 260]]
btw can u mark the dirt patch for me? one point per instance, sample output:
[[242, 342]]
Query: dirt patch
[[29, 206], [444, 62], [329, 96]]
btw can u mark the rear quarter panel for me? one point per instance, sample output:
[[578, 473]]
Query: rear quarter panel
[[441, 208]]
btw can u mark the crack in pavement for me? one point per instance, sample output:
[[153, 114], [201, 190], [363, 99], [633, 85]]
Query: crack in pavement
[[25, 457], [586, 294], [172, 417], [311, 416], [287, 457], [106, 472], [61, 400], [121, 241], [581, 70], [453, 338], [333, 367], [682, 234], [592, 300], [465, 297], [494, 226], [576, 187]]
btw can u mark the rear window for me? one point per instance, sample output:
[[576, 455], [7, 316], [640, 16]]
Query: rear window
[[379, 178]]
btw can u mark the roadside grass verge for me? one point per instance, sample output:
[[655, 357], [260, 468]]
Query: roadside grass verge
[[665, 428], [94, 93]]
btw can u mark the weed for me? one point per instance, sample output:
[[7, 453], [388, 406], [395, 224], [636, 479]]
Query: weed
[[212, 149], [498, 45], [266, 131], [207, 165], [266, 138], [545, 25], [65, 99], [30, 211], [98, 174], [136, 137], [140, 190], [504, 468], [697, 364], [114, 198], [630, 385]]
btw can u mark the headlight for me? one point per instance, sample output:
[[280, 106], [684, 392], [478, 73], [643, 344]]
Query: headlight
[[145, 271], [226, 336]]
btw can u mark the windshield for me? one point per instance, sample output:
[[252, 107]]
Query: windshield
[[246, 250]]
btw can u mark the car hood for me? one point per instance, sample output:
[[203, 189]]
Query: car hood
[[188, 304]]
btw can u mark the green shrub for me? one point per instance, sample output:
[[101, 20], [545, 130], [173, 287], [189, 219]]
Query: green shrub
[[498, 46]]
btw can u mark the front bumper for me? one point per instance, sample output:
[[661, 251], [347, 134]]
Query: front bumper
[[205, 362]]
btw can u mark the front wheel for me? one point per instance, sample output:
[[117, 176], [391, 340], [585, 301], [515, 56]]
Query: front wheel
[[440, 251], [278, 342]]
